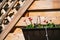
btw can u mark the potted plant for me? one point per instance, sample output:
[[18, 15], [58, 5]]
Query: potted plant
[[48, 31], [30, 26], [49, 25]]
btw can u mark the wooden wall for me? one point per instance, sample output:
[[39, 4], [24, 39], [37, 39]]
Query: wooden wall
[[45, 4], [39, 5]]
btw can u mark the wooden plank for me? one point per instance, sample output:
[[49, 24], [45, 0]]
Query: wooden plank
[[16, 18], [45, 4], [47, 13], [56, 3], [3, 2], [4, 15], [27, 14]]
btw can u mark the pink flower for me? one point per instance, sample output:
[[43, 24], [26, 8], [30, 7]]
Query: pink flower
[[44, 21], [30, 19]]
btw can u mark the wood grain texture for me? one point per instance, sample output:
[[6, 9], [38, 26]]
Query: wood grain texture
[[4, 15], [3, 2], [56, 3], [16, 18], [45, 4], [47, 13]]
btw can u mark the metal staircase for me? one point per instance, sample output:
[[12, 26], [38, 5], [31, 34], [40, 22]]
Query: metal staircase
[[10, 12]]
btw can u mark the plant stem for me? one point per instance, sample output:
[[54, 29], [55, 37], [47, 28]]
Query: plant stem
[[39, 20]]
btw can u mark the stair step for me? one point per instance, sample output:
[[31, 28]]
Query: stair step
[[16, 35]]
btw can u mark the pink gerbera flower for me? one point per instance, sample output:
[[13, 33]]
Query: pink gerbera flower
[[45, 21], [30, 19]]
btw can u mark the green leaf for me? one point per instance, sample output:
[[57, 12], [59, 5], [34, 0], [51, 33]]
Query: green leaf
[[50, 25], [30, 26], [40, 26]]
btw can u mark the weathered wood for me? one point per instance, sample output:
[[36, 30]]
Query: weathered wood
[[3, 2], [45, 4], [16, 18], [4, 15], [45, 14]]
